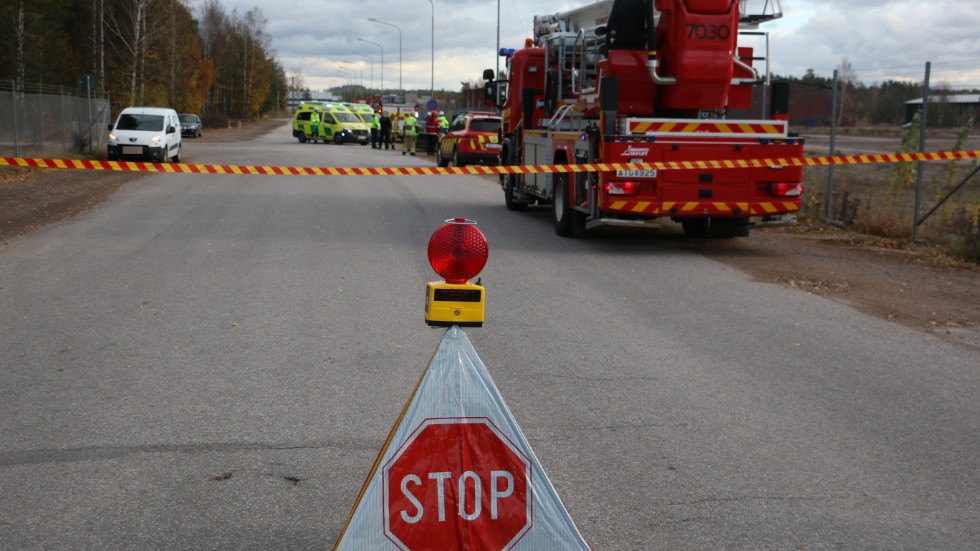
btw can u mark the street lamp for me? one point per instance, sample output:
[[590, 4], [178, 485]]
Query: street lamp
[[399, 50], [371, 59], [349, 78], [357, 75], [432, 70], [497, 53], [382, 66]]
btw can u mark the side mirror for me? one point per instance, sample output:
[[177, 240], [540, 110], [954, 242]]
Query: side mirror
[[488, 74], [110, 127], [171, 130], [490, 93]]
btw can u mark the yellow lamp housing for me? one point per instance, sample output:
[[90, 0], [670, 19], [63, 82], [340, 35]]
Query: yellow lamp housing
[[448, 304]]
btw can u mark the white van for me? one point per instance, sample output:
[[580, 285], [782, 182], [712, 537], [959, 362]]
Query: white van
[[147, 133]]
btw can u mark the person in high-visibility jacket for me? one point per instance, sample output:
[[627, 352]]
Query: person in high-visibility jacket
[[375, 130], [410, 128], [314, 125], [443, 123]]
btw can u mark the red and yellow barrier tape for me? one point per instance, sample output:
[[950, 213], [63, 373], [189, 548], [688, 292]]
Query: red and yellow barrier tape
[[435, 171]]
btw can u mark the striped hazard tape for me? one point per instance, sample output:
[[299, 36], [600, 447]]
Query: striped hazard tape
[[178, 168]]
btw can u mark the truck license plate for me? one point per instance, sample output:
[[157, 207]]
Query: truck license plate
[[648, 173], [132, 150]]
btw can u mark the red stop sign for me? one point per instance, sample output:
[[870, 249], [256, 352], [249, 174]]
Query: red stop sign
[[457, 483]]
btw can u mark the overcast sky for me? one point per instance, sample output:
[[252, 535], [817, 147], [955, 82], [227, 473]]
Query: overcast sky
[[882, 39]]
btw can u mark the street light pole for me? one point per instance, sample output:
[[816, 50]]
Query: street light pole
[[382, 66], [432, 71], [347, 76], [497, 53], [371, 59], [400, 91]]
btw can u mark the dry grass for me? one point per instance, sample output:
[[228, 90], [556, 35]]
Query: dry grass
[[878, 200]]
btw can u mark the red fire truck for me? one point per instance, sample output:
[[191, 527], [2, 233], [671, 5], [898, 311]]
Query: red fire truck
[[647, 81]]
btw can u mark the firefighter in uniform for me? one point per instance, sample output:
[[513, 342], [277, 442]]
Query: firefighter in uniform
[[431, 133], [409, 139]]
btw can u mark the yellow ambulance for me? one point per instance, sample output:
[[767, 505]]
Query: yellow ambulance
[[334, 123], [362, 110]]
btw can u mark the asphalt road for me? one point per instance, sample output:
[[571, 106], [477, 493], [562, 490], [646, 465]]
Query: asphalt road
[[213, 362], [819, 144]]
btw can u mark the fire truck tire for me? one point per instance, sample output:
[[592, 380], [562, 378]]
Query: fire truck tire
[[440, 160], [510, 181], [568, 221], [456, 162]]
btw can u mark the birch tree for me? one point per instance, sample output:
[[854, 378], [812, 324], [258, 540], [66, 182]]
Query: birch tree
[[128, 23]]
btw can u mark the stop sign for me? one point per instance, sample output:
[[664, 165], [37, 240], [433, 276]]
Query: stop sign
[[457, 483]]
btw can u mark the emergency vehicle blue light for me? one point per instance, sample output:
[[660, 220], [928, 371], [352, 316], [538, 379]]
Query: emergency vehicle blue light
[[506, 52]]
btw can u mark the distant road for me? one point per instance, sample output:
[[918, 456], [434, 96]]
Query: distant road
[[819, 144]]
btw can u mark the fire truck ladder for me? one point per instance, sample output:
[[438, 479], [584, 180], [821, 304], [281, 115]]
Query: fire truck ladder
[[771, 9], [584, 62]]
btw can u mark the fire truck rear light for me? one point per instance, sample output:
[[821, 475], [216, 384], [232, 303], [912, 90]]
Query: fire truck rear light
[[628, 187], [786, 190]]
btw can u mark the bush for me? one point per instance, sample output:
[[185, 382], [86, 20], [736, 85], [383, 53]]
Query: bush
[[968, 249]]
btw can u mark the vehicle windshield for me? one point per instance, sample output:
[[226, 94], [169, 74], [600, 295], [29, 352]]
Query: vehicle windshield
[[192, 119], [347, 117], [140, 122], [484, 125]]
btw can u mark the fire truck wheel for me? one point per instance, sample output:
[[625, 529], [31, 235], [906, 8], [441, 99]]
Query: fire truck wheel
[[456, 162], [568, 222], [510, 180], [440, 160]]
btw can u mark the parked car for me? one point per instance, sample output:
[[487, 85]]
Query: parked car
[[191, 125], [472, 138], [145, 133]]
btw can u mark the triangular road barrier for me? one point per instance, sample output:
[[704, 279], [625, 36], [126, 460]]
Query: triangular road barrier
[[456, 472]]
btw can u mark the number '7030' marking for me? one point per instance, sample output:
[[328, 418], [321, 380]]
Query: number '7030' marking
[[708, 32]]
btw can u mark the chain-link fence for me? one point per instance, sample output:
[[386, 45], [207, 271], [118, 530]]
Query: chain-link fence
[[42, 121]]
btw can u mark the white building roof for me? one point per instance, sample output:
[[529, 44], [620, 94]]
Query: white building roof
[[948, 98]]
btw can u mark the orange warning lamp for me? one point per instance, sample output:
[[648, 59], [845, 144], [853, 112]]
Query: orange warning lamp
[[457, 252]]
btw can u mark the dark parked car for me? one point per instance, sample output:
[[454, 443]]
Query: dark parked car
[[190, 125]]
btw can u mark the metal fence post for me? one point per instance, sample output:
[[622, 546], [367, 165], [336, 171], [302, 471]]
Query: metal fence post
[[919, 166], [833, 140], [13, 103]]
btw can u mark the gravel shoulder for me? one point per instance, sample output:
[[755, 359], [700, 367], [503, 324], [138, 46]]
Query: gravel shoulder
[[907, 284]]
